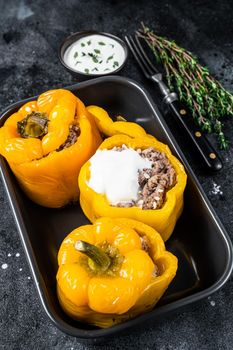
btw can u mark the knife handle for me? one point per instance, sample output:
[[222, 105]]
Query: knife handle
[[206, 151]]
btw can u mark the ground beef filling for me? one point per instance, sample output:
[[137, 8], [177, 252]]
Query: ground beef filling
[[146, 246], [153, 182], [74, 132]]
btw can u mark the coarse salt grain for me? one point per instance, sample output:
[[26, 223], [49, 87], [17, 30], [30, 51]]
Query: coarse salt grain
[[216, 189]]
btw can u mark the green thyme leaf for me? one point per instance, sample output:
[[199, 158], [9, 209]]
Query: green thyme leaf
[[100, 61], [205, 97], [101, 43], [82, 44], [86, 70], [83, 54], [97, 51], [95, 69], [106, 69], [89, 42], [76, 54]]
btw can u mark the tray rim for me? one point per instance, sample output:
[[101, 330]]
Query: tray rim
[[41, 288]]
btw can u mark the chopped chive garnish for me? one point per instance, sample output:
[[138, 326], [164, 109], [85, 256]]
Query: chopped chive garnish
[[89, 42], [97, 51], [86, 70], [82, 44], [115, 64], [109, 58], [83, 54], [101, 43], [76, 54], [94, 57]]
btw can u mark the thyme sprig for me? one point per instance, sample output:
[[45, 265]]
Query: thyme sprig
[[205, 96]]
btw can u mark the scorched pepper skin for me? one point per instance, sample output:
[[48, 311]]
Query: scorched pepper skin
[[96, 205], [47, 176], [104, 300]]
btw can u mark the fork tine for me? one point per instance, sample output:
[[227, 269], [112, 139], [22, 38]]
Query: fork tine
[[137, 55], [145, 55]]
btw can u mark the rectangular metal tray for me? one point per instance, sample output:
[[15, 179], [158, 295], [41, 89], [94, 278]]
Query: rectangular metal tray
[[199, 240]]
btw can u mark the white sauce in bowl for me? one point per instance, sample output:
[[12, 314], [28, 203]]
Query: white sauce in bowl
[[115, 174], [95, 54]]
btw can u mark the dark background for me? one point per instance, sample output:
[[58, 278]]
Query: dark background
[[30, 34]]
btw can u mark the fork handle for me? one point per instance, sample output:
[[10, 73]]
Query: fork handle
[[206, 151]]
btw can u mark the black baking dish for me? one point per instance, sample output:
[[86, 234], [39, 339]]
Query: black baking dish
[[199, 241]]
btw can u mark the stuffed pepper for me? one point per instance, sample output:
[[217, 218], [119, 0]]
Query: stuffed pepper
[[112, 271], [108, 127], [135, 178], [46, 142]]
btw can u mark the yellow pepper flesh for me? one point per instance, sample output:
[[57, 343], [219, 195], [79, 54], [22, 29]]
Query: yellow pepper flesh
[[96, 205], [49, 177], [109, 128], [107, 299]]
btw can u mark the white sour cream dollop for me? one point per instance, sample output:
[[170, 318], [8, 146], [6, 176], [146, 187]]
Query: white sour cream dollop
[[95, 54], [115, 174]]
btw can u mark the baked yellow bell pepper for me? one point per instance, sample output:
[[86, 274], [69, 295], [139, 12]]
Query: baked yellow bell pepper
[[112, 271], [109, 128], [30, 140], [95, 205]]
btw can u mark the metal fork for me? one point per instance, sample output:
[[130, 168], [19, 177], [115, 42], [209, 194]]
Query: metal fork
[[202, 145]]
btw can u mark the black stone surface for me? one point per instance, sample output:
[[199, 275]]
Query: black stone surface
[[30, 34]]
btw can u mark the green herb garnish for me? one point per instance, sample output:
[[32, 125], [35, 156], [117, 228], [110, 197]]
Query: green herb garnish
[[89, 42], [101, 43], [93, 56], [76, 54], [115, 64], [100, 61], [83, 54], [206, 98], [82, 44], [95, 69], [97, 51], [86, 70], [106, 69], [109, 58]]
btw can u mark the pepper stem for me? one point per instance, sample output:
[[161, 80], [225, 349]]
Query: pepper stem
[[33, 125], [99, 260]]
